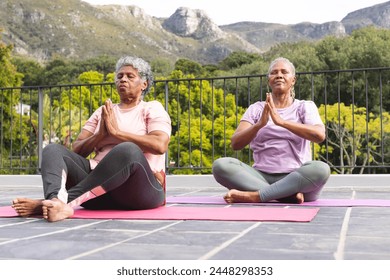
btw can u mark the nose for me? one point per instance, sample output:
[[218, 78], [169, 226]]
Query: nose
[[278, 75], [123, 78]]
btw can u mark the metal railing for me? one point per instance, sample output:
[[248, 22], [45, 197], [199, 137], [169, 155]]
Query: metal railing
[[354, 105]]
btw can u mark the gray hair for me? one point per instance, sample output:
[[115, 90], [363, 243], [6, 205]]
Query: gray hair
[[144, 69], [289, 63]]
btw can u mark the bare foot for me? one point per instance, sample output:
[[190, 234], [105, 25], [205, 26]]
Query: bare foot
[[55, 210], [26, 207], [160, 176], [297, 198], [242, 196]]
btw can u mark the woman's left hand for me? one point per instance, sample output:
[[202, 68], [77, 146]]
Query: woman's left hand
[[273, 112], [110, 119]]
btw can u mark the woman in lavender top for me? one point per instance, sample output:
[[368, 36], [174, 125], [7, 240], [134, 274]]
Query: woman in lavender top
[[279, 131]]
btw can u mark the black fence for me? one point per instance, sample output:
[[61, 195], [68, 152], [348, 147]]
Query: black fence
[[354, 105]]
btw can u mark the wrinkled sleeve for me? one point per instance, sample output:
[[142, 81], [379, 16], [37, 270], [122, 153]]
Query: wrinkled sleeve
[[157, 118], [92, 123], [253, 113], [311, 114]]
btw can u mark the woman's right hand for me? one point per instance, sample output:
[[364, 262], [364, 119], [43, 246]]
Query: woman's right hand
[[102, 127], [110, 121], [265, 114]]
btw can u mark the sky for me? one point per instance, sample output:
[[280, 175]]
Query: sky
[[224, 12]]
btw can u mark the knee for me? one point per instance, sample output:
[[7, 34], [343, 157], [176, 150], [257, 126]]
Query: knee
[[52, 148], [127, 150], [323, 169], [218, 165], [125, 146], [320, 171], [222, 166]]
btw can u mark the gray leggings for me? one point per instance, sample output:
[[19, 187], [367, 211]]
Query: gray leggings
[[309, 179], [124, 174]]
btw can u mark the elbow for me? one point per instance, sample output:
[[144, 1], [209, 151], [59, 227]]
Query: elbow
[[235, 146], [158, 144], [76, 148], [160, 149], [319, 135], [319, 138]]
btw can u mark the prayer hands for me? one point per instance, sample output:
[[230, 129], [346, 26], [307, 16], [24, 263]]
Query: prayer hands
[[270, 111], [108, 119]]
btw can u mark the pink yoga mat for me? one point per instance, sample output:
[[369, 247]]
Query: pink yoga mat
[[319, 203], [195, 213]]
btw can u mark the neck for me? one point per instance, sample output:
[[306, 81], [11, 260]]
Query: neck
[[282, 100], [129, 103]]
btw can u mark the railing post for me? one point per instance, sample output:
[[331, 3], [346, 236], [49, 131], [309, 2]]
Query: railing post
[[40, 127], [166, 88]]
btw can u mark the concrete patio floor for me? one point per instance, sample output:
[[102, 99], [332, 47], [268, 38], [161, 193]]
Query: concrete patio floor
[[336, 233], [348, 233]]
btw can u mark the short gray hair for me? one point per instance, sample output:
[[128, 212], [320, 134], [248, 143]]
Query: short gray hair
[[144, 69], [290, 64], [285, 60]]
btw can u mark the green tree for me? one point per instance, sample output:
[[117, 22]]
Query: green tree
[[91, 77], [59, 71], [302, 54], [237, 59], [77, 104], [364, 48], [353, 138], [187, 67], [9, 77], [203, 120], [103, 64], [161, 67], [369, 48], [32, 71], [13, 139]]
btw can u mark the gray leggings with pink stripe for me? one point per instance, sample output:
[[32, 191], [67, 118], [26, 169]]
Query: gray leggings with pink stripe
[[309, 179], [124, 177]]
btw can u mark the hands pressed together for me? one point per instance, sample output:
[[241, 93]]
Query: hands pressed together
[[108, 124], [270, 111]]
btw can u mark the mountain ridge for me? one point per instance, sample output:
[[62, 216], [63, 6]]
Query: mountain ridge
[[74, 29]]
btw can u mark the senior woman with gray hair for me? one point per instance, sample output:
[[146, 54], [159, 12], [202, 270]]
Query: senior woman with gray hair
[[279, 131], [129, 141]]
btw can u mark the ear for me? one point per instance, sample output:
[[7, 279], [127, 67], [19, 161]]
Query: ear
[[145, 85], [294, 80]]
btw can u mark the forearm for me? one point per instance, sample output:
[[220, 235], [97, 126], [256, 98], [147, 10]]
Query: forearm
[[150, 143], [242, 138], [313, 133], [85, 147]]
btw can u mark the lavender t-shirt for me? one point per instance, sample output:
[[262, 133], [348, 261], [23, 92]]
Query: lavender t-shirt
[[276, 149]]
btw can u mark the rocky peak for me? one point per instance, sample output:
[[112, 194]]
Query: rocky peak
[[125, 13], [377, 15], [187, 22], [317, 31]]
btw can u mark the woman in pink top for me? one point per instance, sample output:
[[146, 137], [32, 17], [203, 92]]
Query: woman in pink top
[[129, 141], [279, 131]]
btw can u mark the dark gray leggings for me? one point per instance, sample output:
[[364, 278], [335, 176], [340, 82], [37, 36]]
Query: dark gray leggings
[[124, 174], [309, 179]]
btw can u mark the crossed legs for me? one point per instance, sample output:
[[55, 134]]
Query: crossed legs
[[246, 184], [122, 180]]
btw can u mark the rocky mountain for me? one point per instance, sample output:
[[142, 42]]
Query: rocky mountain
[[74, 29], [378, 15]]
